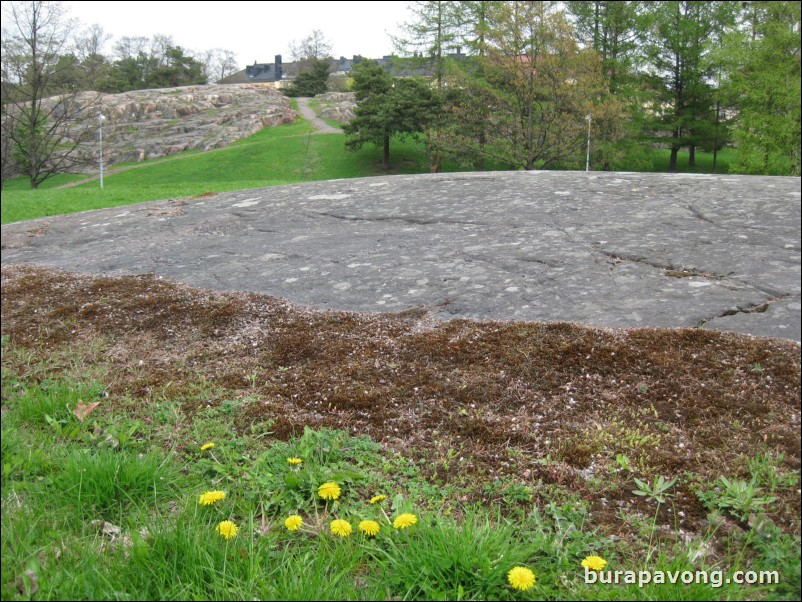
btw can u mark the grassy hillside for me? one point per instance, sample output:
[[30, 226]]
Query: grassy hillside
[[283, 154], [280, 155]]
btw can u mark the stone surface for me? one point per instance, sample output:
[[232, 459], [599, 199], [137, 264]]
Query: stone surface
[[337, 106], [609, 249], [146, 124]]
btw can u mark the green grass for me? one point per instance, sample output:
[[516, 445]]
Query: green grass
[[24, 184], [278, 155], [704, 161], [91, 514]]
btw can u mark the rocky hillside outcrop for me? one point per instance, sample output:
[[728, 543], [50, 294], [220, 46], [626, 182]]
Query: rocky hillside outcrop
[[146, 124], [338, 106]]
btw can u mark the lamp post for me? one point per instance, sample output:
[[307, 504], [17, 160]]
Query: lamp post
[[101, 118], [587, 160]]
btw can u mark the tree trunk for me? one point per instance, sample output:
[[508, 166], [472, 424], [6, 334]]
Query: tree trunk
[[672, 162], [386, 157], [692, 155], [480, 163]]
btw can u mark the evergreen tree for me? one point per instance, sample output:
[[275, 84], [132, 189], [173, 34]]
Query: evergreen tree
[[311, 82], [682, 36], [433, 33], [387, 107]]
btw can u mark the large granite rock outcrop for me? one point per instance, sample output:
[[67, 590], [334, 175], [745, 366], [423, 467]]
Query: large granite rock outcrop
[[146, 124], [338, 106]]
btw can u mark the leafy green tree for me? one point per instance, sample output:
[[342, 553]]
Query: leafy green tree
[[387, 107], [683, 34], [616, 30], [537, 81], [129, 73], [762, 79]]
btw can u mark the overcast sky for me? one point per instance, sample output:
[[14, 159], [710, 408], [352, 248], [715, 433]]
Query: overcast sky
[[255, 31]]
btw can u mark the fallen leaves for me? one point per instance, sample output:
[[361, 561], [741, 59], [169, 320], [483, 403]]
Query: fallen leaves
[[82, 410]]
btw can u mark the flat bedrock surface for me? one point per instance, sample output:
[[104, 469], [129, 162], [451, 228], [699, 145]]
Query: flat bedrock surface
[[608, 249]]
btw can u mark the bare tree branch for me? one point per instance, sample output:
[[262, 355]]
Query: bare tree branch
[[45, 116]]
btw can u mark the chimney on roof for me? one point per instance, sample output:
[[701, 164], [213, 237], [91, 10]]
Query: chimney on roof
[[278, 67]]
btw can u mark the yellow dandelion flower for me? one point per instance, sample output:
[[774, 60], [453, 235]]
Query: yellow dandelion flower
[[329, 491], [206, 446], [594, 563], [377, 498], [341, 528], [295, 461], [521, 578], [369, 527], [210, 497], [402, 521], [227, 529], [293, 522]]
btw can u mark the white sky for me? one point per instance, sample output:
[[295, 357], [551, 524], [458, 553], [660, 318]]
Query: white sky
[[255, 31]]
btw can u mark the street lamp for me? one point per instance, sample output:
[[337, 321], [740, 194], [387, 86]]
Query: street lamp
[[101, 118], [587, 161]]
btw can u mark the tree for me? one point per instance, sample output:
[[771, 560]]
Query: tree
[[437, 31], [154, 63], [89, 51], [6, 151], [312, 58], [219, 63], [762, 79], [44, 117], [314, 47], [177, 69], [131, 47], [538, 85], [386, 107], [682, 36], [616, 30], [434, 31], [313, 81]]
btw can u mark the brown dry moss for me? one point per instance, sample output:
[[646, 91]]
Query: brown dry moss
[[547, 404]]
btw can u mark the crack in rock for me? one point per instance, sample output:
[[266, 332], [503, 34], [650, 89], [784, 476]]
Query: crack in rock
[[699, 215], [668, 269], [414, 221], [549, 263], [752, 308]]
